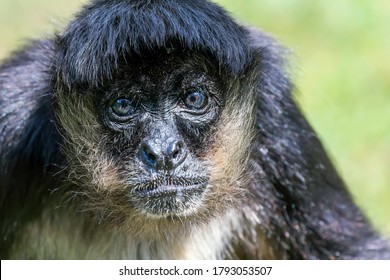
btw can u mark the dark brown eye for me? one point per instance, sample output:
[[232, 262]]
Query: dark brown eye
[[123, 107], [195, 100]]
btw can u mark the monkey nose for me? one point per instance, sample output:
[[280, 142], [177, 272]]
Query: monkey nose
[[165, 156]]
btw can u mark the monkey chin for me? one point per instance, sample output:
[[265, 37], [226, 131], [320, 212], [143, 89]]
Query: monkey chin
[[171, 199]]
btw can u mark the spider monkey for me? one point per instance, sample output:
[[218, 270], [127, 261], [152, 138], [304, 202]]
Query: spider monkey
[[165, 130]]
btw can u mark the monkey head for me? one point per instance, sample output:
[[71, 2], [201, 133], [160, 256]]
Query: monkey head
[[156, 120]]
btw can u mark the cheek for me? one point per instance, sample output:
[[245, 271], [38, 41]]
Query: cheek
[[228, 158], [230, 151], [89, 165]]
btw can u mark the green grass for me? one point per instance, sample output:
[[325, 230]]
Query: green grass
[[341, 68]]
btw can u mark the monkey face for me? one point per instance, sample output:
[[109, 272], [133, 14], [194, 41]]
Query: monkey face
[[160, 113], [158, 139]]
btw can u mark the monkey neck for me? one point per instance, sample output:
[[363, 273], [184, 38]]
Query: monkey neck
[[63, 233]]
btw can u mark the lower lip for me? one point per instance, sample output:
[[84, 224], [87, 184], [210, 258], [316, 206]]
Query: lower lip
[[169, 190]]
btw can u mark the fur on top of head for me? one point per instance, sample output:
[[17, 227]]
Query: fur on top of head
[[106, 31]]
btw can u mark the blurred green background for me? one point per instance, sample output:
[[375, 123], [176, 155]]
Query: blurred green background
[[341, 66]]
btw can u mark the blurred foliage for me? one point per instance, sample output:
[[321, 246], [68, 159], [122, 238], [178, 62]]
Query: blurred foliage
[[341, 67]]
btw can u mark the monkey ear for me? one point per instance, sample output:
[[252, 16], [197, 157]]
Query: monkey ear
[[28, 137]]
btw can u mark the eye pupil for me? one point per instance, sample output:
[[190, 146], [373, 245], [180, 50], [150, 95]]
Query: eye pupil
[[195, 100], [122, 107]]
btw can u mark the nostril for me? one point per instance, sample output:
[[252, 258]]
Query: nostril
[[175, 154], [148, 156], [174, 149], [177, 148]]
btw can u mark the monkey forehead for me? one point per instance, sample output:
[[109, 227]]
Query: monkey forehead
[[105, 31]]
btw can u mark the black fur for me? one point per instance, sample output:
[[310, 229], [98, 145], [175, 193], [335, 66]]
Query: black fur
[[300, 199], [120, 28], [305, 203], [29, 142]]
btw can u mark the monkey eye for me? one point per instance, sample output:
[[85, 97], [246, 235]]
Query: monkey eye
[[195, 99], [122, 108]]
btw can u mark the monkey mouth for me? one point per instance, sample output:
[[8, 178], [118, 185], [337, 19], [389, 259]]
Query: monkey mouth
[[170, 186], [169, 197]]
